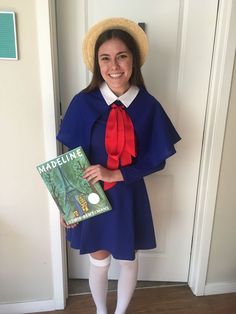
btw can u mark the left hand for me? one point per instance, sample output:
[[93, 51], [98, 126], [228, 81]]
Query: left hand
[[65, 225], [97, 172]]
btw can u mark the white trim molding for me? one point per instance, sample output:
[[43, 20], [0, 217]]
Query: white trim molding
[[220, 288], [27, 307], [218, 101]]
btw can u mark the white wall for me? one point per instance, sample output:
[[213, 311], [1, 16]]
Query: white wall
[[222, 263], [25, 256]]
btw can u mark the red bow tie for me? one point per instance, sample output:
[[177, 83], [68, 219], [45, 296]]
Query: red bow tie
[[119, 140]]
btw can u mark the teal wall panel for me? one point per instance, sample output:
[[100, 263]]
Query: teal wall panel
[[8, 45]]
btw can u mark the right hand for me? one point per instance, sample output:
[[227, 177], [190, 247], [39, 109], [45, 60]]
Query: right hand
[[67, 226], [95, 173]]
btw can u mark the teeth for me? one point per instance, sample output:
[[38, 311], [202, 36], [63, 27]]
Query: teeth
[[115, 75]]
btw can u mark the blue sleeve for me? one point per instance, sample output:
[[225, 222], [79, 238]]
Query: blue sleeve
[[133, 173], [70, 133], [156, 142]]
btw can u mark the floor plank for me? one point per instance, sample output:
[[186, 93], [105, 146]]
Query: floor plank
[[169, 300]]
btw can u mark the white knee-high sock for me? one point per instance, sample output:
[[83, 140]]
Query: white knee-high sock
[[126, 284], [98, 282]]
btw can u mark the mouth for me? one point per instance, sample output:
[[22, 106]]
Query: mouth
[[115, 75]]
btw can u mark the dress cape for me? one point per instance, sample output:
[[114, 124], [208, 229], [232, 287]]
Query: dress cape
[[128, 226]]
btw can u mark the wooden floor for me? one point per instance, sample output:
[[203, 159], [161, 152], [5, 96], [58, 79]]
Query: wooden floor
[[170, 300]]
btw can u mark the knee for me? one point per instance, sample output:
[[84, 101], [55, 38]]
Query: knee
[[102, 254], [100, 262]]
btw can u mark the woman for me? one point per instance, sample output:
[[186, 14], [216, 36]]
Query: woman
[[126, 135]]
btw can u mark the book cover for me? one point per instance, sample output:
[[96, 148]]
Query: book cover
[[75, 197]]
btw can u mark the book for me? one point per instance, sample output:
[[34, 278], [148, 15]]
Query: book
[[76, 199]]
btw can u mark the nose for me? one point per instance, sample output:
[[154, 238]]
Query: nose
[[114, 63]]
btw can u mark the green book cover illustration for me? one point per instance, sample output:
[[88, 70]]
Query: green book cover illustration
[[76, 199]]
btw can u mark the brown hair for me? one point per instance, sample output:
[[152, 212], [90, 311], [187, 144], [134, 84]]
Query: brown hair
[[136, 77]]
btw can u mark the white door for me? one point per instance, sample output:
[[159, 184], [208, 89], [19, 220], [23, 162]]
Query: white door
[[181, 36]]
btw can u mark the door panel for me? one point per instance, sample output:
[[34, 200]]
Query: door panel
[[177, 71]]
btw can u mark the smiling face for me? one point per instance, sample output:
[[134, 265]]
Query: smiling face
[[116, 63]]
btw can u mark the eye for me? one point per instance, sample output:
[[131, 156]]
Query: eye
[[122, 56], [104, 58]]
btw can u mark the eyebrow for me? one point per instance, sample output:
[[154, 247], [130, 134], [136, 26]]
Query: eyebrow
[[104, 55], [107, 54]]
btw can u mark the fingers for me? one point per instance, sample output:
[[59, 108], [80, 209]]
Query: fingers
[[93, 174], [71, 226], [97, 172], [63, 222], [95, 169], [65, 225]]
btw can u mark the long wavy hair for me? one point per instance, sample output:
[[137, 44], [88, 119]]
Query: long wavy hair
[[136, 77]]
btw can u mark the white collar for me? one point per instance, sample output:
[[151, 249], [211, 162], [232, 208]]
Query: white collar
[[126, 99]]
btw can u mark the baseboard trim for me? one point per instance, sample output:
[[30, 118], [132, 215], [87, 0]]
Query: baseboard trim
[[220, 288], [28, 307]]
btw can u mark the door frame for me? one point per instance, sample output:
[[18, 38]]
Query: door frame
[[218, 96], [49, 81], [215, 123]]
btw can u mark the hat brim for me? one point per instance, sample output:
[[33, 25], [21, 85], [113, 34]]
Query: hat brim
[[113, 23]]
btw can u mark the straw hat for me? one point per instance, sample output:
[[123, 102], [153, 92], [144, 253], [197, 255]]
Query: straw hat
[[113, 23]]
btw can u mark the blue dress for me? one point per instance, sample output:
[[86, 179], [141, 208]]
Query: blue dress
[[128, 226]]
